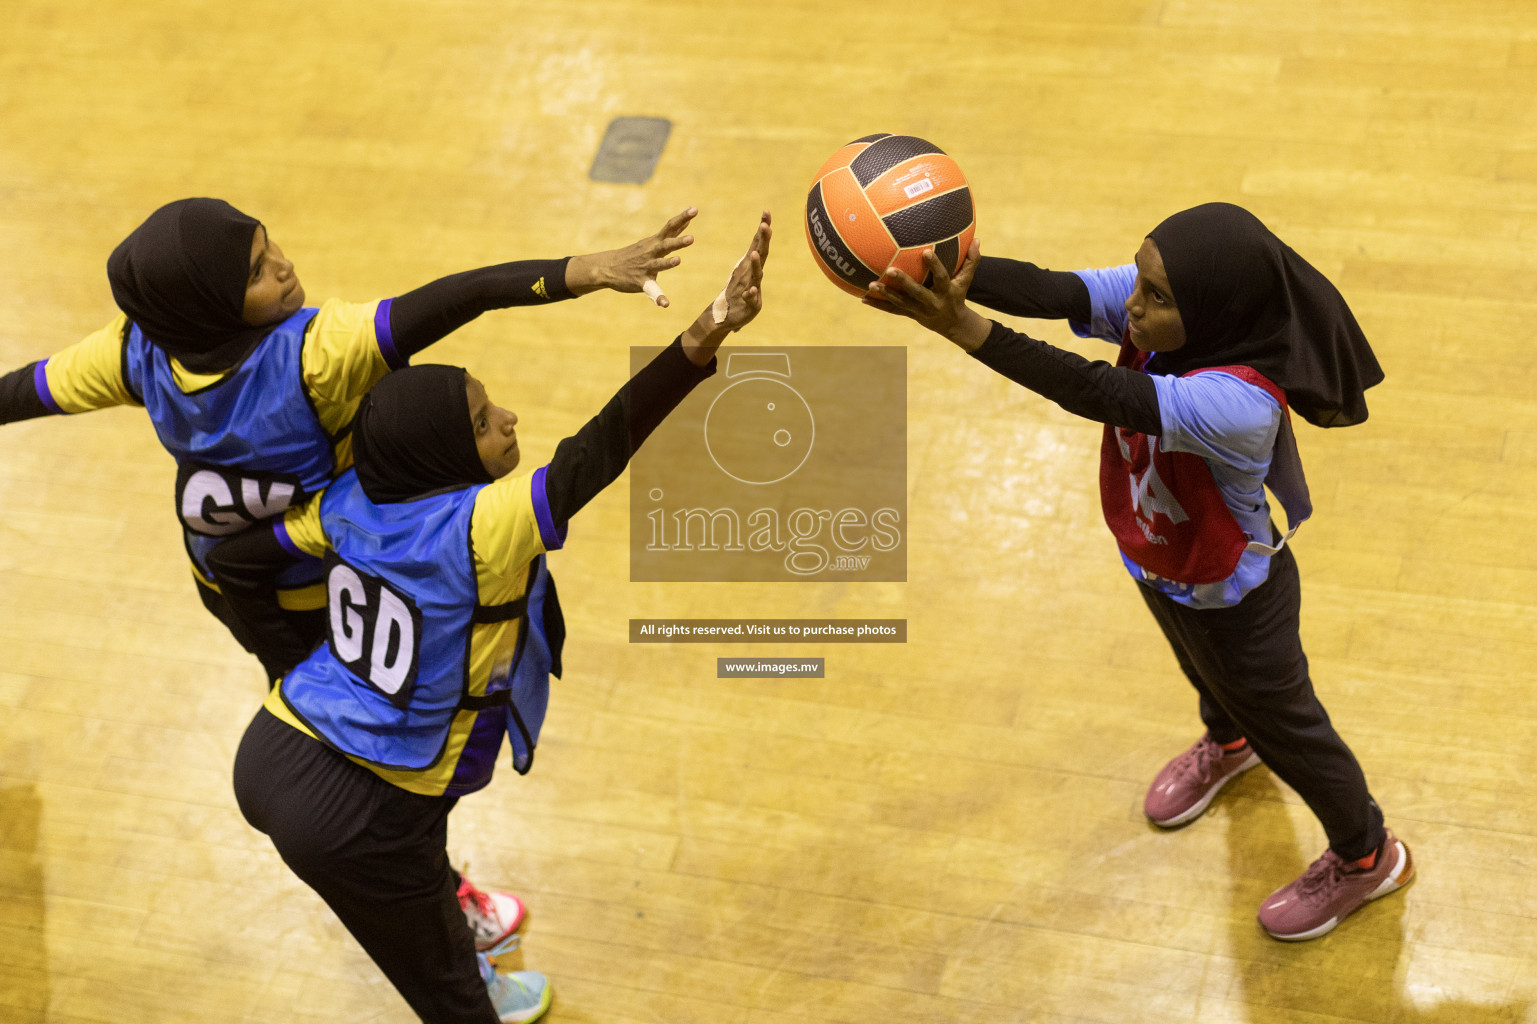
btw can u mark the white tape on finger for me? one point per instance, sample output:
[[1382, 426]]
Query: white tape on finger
[[719, 307], [653, 290]]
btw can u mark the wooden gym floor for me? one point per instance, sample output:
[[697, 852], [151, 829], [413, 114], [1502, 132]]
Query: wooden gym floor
[[948, 830]]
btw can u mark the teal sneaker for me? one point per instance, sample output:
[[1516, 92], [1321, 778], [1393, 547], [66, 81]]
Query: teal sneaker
[[517, 997]]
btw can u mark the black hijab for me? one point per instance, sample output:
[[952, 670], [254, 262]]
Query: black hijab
[[181, 276], [1247, 299], [413, 437]]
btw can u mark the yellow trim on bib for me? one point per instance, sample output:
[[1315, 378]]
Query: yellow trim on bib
[[308, 598], [303, 599]]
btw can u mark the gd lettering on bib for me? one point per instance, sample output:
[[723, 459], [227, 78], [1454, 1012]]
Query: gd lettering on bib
[[373, 630]]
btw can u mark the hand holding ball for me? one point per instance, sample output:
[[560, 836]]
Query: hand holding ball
[[879, 202]]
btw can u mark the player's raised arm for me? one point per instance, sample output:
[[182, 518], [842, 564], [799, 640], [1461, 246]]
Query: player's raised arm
[[430, 313], [1024, 289], [596, 455], [1094, 390], [245, 564], [635, 267]]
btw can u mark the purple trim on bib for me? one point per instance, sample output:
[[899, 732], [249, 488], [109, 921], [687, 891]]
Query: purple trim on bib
[[481, 747], [386, 339], [552, 538], [280, 531], [40, 383]]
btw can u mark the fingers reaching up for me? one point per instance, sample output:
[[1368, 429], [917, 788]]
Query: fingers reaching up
[[666, 241], [737, 304], [742, 298], [635, 267]]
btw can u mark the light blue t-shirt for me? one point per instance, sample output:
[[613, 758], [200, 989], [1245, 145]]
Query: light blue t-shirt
[[1228, 422]]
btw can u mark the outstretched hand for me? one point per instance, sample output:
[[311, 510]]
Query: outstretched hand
[[742, 298], [941, 307], [737, 304], [635, 267]]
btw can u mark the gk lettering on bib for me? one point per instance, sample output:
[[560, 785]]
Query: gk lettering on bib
[[216, 502], [373, 630]]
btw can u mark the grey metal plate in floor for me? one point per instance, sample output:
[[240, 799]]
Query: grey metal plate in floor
[[630, 149]]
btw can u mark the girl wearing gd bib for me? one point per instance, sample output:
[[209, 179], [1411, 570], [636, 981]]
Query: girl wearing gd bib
[[1223, 330], [443, 630]]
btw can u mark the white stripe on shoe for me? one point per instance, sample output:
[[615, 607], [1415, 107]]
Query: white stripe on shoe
[[1199, 807], [1397, 877]]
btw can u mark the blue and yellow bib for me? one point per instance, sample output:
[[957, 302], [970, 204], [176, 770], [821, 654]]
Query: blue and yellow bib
[[417, 679], [248, 445]]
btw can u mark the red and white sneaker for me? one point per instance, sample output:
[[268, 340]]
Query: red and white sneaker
[[492, 916], [1332, 889], [1188, 784]]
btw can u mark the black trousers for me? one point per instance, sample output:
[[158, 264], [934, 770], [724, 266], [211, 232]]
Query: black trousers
[[1246, 662], [309, 628], [377, 855]]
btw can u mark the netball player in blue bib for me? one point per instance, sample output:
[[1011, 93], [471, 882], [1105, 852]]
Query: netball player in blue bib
[[1223, 330], [253, 392], [442, 631]]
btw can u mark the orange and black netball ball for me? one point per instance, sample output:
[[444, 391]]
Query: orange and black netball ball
[[879, 202]]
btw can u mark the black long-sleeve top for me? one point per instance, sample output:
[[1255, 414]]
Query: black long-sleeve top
[[435, 310], [1024, 289], [1095, 389], [583, 464], [417, 318]]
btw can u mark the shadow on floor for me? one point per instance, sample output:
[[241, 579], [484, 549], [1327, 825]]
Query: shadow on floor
[[24, 988], [1355, 973]]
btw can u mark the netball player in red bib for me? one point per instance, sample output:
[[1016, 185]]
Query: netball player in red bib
[[1224, 332]]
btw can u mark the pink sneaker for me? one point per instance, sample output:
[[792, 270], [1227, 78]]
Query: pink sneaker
[[492, 916], [1331, 889], [1188, 784]]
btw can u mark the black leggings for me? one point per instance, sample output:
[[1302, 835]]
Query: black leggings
[[1246, 662], [308, 628], [376, 854]]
